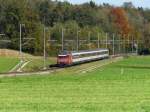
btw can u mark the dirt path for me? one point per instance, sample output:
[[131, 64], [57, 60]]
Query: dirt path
[[22, 66], [16, 67]]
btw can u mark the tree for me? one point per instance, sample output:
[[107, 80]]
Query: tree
[[121, 21], [87, 17]]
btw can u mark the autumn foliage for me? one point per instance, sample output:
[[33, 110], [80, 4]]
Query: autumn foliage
[[121, 21]]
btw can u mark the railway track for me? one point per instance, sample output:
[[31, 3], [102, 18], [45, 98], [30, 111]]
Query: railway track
[[52, 69], [111, 60]]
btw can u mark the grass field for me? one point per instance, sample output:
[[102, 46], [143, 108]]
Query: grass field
[[7, 63], [119, 87], [36, 63], [9, 58]]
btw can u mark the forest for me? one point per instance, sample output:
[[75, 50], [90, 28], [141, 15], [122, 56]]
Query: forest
[[86, 21]]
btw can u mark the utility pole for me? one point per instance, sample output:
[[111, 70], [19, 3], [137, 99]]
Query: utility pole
[[106, 40], [113, 44], [132, 45], [44, 41], [21, 43], [98, 40], [124, 44], [89, 35], [119, 44], [137, 47], [62, 39], [128, 43], [78, 40], [21, 57]]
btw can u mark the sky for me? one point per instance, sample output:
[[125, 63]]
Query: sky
[[137, 3]]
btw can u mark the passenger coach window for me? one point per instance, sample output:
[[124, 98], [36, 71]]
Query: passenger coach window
[[89, 54], [75, 56]]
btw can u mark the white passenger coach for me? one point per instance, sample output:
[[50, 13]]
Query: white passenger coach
[[70, 58]]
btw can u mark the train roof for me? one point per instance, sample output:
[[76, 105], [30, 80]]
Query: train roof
[[82, 52]]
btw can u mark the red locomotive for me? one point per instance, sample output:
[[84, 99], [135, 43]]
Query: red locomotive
[[71, 58]]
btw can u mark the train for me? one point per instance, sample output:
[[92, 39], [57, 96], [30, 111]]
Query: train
[[66, 58]]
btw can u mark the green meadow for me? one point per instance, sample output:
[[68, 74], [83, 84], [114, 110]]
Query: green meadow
[[122, 86], [7, 63]]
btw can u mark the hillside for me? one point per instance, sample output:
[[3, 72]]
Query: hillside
[[12, 53], [86, 21]]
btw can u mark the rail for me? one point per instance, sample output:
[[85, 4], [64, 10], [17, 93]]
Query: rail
[[53, 68]]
